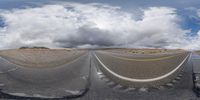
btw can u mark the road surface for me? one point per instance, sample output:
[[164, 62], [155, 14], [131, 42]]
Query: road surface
[[103, 88], [130, 71], [52, 82], [30, 79]]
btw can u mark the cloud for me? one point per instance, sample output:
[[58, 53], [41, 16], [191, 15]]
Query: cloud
[[195, 41], [198, 12], [92, 25]]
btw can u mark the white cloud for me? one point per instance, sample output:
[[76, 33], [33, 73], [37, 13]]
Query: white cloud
[[198, 12], [195, 41], [91, 25]]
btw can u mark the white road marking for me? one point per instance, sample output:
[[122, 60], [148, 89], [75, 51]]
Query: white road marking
[[141, 80], [74, 92], [19, 94], [13, 69], [41, 96], [10, 70]]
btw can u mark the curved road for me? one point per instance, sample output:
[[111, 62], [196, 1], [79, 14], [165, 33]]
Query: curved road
[[68, 79], [130, 71], [75, 76]]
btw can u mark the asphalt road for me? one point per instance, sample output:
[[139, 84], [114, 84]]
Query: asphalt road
[[69, 79], [129, 71], [82, 74], [104, 88]]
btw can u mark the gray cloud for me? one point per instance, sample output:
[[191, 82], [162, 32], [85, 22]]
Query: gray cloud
[[87, 35]]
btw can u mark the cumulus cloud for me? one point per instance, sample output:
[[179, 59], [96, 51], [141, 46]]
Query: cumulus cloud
[[92, 25], [198, 12], [195, 41]]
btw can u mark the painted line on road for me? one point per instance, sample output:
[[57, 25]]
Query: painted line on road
[[10, 70], [141, 80], [153, 59]]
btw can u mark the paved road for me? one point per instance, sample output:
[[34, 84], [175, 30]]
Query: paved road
[[101, 87], [68, 79], [196, 72], [196, 62], [129, 71]]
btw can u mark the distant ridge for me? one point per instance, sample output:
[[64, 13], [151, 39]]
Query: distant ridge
[[33, 48]]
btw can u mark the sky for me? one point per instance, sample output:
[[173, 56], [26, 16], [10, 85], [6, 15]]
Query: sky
[[167, 24]]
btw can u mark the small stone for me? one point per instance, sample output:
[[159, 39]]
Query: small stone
[[111, 83], [143, 89], [180, 75], [169, 84], [178, 78], [174, 81], [130, 89], [118, 86], [99, 73], [197, 85], [2, 84], [106, 80], [161, 87]]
